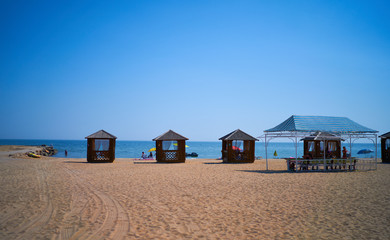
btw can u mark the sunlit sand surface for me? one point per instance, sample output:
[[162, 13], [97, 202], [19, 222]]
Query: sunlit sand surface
[[51, 198]]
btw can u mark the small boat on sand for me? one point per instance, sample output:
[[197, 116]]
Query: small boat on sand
[[33, 155]]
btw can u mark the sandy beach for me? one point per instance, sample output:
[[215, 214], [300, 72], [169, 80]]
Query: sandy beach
[[58, 198]]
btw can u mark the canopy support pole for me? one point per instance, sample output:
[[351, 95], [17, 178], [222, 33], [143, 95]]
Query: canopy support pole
[[266, 153], [376, 151], [294, 139], [296, 152], [324, 146]]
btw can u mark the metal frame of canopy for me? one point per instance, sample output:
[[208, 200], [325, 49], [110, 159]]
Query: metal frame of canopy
[[296, 135]]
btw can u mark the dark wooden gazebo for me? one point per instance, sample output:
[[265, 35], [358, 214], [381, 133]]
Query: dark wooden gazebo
[[238, 147], [170, 147], [314, 145], [101, 147], [385, 147]]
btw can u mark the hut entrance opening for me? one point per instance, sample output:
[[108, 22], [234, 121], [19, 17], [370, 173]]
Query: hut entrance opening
[[321, 145], [241, 150], [102, 149], [101, 144], [314, 146], [169, 145], [170, 150]]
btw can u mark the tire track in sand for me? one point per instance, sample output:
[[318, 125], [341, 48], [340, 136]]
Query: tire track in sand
[[116, 222], [28, 228], [85, 206], [12, 213], [78, 207]]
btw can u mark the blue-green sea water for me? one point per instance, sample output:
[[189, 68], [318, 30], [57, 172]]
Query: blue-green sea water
[[133, 149]]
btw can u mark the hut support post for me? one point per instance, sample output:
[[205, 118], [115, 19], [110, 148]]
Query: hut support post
[[266, 154], [296, 151], [350, 152], [376, 151], [324, 155]]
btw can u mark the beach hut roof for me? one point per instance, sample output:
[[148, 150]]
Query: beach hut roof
[[322, 136], [101, 135], [320, 123], [169, 136], [386, 135], [238, 135]]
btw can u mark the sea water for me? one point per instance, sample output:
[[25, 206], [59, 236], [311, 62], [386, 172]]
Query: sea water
[[134, 149]]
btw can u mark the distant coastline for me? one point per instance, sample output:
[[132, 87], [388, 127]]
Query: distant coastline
[[133, 149]]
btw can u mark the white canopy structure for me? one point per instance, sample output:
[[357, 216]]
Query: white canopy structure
[[297, 127]]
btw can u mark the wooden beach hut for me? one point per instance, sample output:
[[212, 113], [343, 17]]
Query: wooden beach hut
[[314, 145], [385, 147], [170, 147], [238, 147], [101, 147]]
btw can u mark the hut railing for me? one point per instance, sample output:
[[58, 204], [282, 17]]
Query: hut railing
[[171, 155], [242, 156], [101, 155]]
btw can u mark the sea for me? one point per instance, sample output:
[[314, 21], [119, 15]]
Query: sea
[[212, 150]]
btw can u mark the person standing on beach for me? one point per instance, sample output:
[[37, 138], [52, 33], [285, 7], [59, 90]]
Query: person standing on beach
[[66, 153], [345, 152]]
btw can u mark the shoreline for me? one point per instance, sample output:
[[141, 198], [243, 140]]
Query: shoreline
[[210, 150]]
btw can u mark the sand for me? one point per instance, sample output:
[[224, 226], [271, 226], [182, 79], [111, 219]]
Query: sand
[[54, 198]]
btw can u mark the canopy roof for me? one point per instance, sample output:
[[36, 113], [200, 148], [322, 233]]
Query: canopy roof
[[238, 135], [338, 125], [169, 136], [101, 135], [386, 135]]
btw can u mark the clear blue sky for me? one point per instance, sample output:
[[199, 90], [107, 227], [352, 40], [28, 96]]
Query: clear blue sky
[[201, 68]]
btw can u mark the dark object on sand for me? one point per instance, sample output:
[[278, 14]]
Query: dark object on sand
[[193, 154], [365, 151]]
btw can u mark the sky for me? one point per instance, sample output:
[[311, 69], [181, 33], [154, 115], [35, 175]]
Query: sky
[[201, 68]]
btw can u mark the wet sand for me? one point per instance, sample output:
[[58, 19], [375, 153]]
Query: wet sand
[[57, 198]]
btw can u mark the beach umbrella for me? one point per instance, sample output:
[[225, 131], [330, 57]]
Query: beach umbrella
[[365, 151], [152, 150], [175, 144]]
